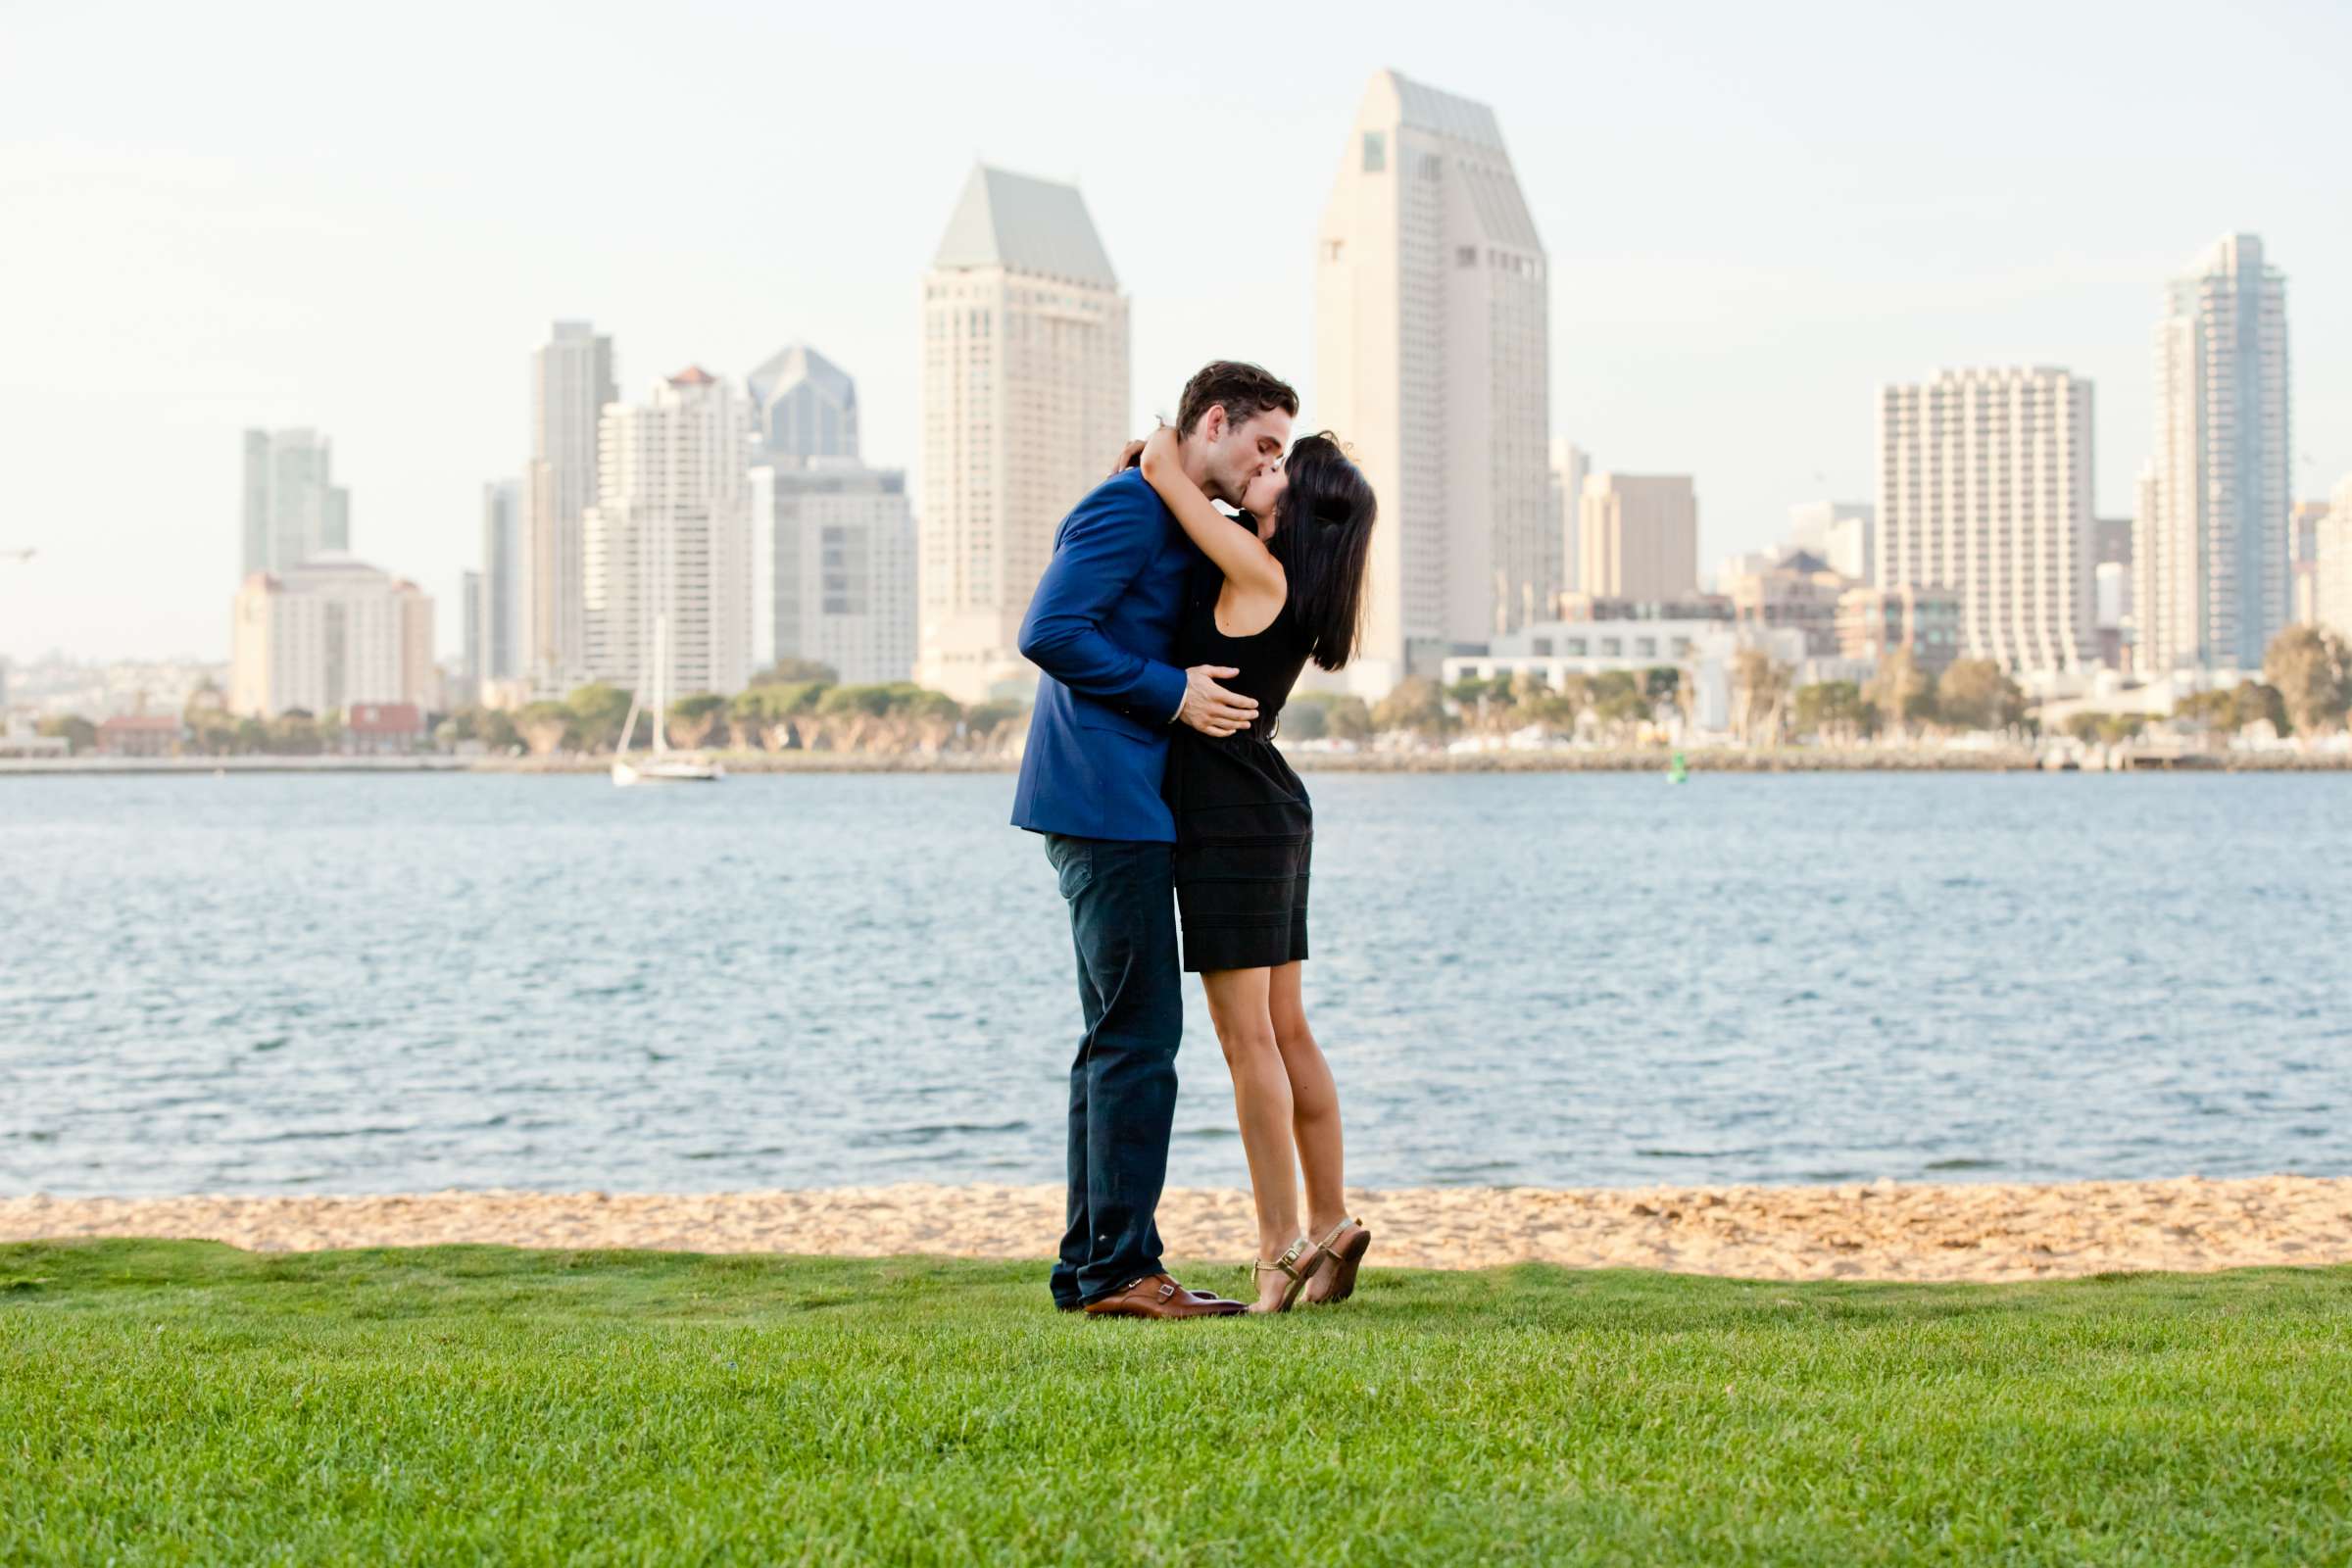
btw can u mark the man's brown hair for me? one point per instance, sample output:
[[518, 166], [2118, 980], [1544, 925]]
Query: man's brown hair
[[1246, 390]]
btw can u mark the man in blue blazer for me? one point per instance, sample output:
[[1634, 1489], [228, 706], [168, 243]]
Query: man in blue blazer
[[1102, 628]]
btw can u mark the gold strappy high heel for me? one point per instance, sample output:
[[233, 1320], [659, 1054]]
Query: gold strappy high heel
[[1346, 1257], [1288, 1263]]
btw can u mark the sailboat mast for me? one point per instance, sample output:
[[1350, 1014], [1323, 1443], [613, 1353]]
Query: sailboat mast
[[661, 684]]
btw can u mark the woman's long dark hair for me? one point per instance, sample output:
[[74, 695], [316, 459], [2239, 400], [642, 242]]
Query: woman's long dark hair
[[1323, 538]]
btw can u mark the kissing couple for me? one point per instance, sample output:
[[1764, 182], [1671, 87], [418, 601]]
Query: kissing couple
[[1169, 634]]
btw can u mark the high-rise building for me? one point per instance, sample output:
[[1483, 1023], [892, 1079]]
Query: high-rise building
[[1640, 534], [2209, 543], [1985, 488], [468, 682], [833, 568], [1564, 502], [293, 508], [506, 582], [328, 633], [803, 406], [571, 382], [1432, 359], [1024, 407], [671, 537]]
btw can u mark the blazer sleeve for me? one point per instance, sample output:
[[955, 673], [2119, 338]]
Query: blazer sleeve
[[1103, 548]]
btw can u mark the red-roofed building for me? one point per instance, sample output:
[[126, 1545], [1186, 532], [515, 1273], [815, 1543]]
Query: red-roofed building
[[139, 735], [370, 728], [693, 376]]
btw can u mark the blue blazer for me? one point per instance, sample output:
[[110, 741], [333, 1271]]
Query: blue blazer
[[1103, 627]]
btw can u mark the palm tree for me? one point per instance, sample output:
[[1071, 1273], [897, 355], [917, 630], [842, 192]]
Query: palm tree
[[693, 718], [1759, 688], [1901, 692]]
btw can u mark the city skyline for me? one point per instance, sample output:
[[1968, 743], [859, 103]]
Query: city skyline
[[1731, 281]]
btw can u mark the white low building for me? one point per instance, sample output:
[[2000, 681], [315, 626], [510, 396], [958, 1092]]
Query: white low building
[[1703, 651]]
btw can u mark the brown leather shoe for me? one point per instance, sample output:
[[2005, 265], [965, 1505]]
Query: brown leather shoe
[[1158, 1295]]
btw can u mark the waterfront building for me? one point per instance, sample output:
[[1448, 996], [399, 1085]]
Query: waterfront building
[[1024, 404], [1705, 653], [293, 508], [1985, 489], [833, 570], [328, 633], [1640, 534], [571, 382], [2209, 543], [375, 729], [803, 405], [671, 537], [1433, 361], [505, 605], [18, 739], [1875, 622], [140, 735]]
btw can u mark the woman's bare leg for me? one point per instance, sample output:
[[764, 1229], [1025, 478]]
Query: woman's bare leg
[[1314, 1102], [1261, 1103]]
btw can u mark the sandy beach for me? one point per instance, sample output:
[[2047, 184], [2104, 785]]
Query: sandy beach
[[1876, 1231]]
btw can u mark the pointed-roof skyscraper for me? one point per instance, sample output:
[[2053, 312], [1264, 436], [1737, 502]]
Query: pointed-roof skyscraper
[[1025, 394], [1433, 360]]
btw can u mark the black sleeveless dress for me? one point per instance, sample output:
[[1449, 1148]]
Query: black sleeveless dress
[[1244, 828]]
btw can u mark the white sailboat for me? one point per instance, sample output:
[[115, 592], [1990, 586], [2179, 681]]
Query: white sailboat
[[659, 767]]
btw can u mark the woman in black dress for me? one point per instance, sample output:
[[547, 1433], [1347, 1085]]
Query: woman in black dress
[[1284, 584]]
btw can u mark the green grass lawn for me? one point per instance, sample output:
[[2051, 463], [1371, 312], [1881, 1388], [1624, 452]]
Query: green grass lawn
[[184, 1402]]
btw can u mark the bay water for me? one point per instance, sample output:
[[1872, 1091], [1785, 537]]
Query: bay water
[[351, 983]]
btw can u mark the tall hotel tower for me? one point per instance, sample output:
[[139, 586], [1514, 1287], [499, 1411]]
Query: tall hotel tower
[[1985, 488], [1024, 407], [1433, 362], [2210, 544]]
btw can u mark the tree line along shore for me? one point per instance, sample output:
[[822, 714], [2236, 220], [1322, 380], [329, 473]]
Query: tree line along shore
[[1972, 714]]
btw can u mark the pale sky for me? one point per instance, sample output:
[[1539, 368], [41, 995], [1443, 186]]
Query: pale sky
[[363, 219]]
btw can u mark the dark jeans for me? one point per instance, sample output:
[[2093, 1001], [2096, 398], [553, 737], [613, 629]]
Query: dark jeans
[[1123, 1082]]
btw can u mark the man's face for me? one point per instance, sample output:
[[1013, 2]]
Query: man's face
[[1239, 452]]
